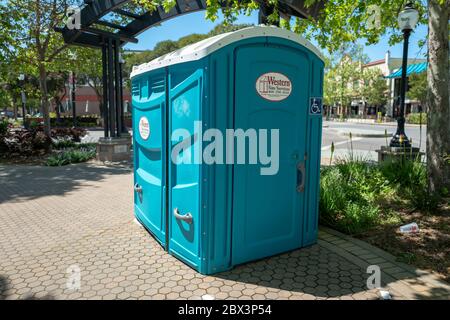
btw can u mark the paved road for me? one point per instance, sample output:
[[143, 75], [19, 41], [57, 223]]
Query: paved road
[[366, 147], [68, 233], [331, 134]]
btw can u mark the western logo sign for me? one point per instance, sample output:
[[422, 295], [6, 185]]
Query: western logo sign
[[274, 86], [144, 128]]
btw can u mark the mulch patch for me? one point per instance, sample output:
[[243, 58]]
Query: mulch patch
[[428, 249]]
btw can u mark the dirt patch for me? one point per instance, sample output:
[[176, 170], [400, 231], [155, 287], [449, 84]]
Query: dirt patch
[[25, 160], [428, 249]]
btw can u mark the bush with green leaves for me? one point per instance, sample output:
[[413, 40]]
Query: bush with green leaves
[[4, 124], [416, 118], [24, 143], [353, 192], [69, 156], [349, 192], [63, 144], [73, 134], [409, 180]]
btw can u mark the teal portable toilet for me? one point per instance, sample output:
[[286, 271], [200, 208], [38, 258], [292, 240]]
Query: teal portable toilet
[[227, 140]]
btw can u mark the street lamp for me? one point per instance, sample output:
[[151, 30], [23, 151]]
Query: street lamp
[[407, 21], [72, 90], [21, 79]]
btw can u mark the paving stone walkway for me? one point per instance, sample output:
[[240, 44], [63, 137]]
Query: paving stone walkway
[[55, 221]]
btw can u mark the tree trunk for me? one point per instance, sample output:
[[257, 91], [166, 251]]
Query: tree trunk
[[99, 98], [14, 105], [438, 104], [44, 98], [58, 109], [101, 109]]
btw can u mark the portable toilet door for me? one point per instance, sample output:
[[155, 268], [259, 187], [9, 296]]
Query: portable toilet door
[[185, 213], [271, 83], [150, 158]]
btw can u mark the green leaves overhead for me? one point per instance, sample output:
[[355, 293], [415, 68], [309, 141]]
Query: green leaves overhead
[[418, 87], [341, 20]]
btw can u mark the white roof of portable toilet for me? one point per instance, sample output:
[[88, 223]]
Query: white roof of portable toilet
[[205, 47]]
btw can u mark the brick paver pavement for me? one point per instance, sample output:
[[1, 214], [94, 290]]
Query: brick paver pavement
[[80, 217]]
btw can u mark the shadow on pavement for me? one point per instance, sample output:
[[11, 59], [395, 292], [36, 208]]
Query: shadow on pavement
[[21, 183], [314, 270], [4, 287]]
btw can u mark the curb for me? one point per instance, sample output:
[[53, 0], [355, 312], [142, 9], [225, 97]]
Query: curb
[[402, 279], [390, 124], [366, 135]]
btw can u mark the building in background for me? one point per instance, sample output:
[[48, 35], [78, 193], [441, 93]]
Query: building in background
[[391, 69], [87, 102]]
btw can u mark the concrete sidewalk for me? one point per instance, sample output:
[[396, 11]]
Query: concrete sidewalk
[[80, 217]]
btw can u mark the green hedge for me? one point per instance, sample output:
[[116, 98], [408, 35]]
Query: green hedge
[[355, 195], [75, 154], [414, 118], [82, 121]]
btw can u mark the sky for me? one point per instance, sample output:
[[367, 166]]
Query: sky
[[196, 23]]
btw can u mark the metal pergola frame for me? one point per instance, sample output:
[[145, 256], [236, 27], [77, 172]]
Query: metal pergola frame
[[97, 31]]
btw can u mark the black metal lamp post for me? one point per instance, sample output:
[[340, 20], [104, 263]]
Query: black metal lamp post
[[72, 90], [23, 98], [407, 21]]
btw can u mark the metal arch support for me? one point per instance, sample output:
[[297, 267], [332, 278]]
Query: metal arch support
[[89, 35], [94, 10], [150, 19]]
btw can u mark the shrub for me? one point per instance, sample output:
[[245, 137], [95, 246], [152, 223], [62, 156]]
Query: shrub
[[63, 144], [404, 173], [34, 124], [414, 118], [333, 193], [82, 121], [89, 145], [41, 141], [73, 134], [359, 217], [4, 124], [351, 192], [33, 141], [24, 142], [409, 178], [70, 156], [348, 195], [14, 123]]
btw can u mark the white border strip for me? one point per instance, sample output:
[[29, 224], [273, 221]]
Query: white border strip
[[205, 47]]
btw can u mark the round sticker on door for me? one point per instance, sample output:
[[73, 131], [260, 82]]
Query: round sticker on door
[[274, 86], [144, 128]]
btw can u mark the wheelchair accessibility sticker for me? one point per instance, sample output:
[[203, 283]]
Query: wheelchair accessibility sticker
[[315, 106]]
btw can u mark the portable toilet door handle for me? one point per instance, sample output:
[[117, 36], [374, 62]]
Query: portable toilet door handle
[[301, 175], [138, 190], [186, 218]]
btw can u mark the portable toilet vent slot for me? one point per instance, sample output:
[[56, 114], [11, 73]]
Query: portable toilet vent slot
[[227, 136]]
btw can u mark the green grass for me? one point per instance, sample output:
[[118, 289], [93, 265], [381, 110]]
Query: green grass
[[355, 195], [407, 257], [78, 154]]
